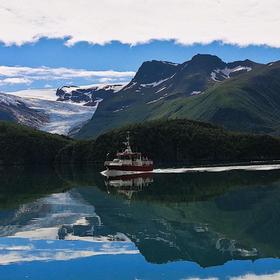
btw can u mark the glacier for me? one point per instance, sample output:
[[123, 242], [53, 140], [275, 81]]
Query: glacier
[[62, 117]]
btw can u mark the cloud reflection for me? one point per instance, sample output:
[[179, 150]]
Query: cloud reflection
[[19, 250]]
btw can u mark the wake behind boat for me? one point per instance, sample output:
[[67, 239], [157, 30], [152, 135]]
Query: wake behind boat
[[128, 162]]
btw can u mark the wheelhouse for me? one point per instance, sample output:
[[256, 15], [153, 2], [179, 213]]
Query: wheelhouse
[[129, 156]]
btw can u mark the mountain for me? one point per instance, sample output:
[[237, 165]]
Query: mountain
[[23, 145], [63, 111], [247, 103], [14, 109], [163, 89], [41, 109], [189, 78], [175, 141]]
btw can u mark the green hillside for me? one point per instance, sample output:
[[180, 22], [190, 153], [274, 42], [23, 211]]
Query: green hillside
[[248, 103]]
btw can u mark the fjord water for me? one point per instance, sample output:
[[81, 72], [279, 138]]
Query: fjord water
[[72, 223]]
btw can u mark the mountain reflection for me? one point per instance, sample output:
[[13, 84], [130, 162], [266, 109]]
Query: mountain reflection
[[208, 218]]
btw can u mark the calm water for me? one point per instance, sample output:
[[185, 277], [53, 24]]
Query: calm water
[[74, 224]]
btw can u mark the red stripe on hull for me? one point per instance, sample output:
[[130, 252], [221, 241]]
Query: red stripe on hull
[[145, 168], [133, 176]]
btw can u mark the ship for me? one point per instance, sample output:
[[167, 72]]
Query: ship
[[128, 162]]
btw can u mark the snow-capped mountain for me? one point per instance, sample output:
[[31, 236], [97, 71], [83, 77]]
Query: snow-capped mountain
[[87, 95], [64, 110], [156, 87], [41, 109], [189, 78]]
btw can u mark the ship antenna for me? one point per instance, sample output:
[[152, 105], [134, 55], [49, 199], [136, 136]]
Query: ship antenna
[[127, 143]]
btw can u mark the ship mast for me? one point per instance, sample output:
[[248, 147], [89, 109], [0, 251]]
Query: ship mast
[[127, 143]]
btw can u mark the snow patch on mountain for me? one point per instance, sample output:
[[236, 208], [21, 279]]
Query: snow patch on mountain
[[196, 92], [156, 100], [94, 87], [161, 89], [214, 76], [130, 86], [118, 110], [45, 94], [9, 100], [170, 63], [157, 83], [69, 89], [16, 109], [87, 95], [241, 68], [226, 72], [114, 88]]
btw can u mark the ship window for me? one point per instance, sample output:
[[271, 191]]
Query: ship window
[[125, 157]]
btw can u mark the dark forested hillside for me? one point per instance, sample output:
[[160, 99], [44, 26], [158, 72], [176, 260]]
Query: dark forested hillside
[[175, 141], [22, 145], [165, 141]]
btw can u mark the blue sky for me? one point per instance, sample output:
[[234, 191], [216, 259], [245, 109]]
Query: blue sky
[[53, 37], [122, 58]]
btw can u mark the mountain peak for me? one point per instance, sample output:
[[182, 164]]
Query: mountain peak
[[154, 70], [245, 63], [207, 62], [200, 56]]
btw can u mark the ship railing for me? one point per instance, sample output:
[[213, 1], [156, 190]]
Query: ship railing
[[129, 162]]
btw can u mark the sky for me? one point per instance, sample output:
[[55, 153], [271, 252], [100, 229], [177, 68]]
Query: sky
[[47, 44]]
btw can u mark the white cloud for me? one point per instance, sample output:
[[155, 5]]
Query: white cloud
[[198, 278], [47, 73], [129, 21], [25, 250], [274, 276], [15, 81], [10, 75], [20, 256]]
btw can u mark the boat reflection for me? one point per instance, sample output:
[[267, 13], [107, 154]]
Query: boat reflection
[[127, 185]]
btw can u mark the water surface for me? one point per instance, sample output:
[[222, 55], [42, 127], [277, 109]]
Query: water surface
[[72, 223]]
